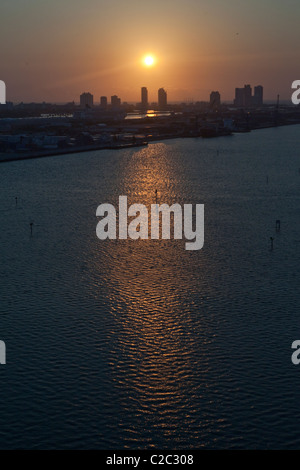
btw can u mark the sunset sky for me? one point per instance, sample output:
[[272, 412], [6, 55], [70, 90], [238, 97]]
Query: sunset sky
[[54, 50]]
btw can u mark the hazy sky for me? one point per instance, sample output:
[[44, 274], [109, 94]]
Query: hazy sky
[[54, 50]]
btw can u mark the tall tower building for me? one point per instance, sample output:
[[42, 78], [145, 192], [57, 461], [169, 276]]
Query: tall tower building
[[103, 102], [144, 97], [115, 101], [248, 96], [86, 100], [243, 97], [258, 98], [215, 99], [162, 98], [239, 100]]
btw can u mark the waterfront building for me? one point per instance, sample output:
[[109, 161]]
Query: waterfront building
[[144, 97], [258, 95], [215, 99], [162, 98], [86, 100], [243, 97], [103, 102], [115, 101]]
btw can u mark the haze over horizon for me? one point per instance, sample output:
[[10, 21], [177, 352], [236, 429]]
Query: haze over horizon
[[59, 49]]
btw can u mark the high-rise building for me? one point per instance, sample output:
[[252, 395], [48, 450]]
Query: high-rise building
[[239, 100], [258, 98], [103, 102], [115, 101], [144, 97], [86, 100], [215, 99], [243, 97], [248, 96], [162, 98]]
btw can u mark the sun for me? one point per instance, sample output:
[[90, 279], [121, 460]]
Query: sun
[[149, 60]]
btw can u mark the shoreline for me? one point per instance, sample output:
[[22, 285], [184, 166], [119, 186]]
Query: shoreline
[[143, 143], [67, 151]]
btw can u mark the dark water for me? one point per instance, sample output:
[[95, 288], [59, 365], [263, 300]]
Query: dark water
[[141, 344]]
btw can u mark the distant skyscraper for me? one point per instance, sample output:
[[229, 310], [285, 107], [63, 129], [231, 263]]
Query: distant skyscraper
[[103, 102], [86, 100], [215, 99], [258, 98], [248, 96], [239, 100], [243, 97], [115, 101], [162, 98], [144, 97]]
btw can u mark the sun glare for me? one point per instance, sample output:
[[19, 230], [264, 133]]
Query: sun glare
[[149, 60]]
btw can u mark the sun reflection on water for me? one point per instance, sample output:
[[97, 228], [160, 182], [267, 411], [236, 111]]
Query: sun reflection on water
[[152, 350]]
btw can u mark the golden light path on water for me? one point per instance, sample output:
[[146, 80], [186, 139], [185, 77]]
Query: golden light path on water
[[152, 350]]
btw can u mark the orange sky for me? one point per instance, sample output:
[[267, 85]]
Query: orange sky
[[54, 50]]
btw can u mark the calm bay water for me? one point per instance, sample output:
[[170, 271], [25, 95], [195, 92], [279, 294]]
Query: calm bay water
[[141, 344]]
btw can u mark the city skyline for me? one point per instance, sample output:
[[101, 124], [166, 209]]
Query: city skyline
[[160, 98], [243, 98], [198, 47]]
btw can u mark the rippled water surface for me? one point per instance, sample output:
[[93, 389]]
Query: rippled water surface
[[141, 344]]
